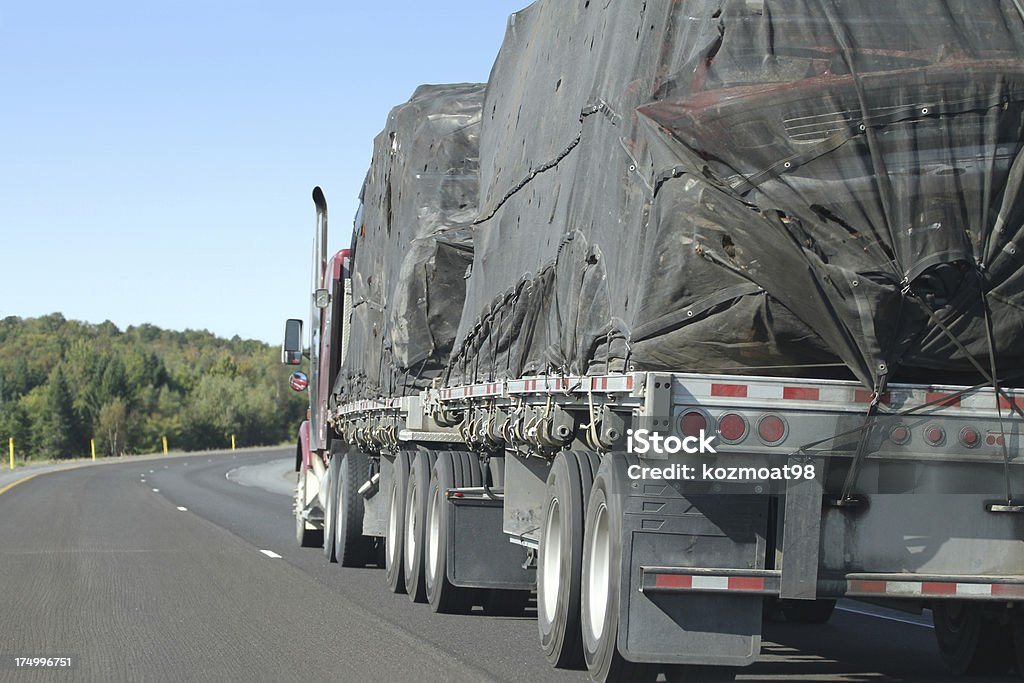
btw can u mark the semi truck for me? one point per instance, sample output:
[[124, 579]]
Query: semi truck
[[693, 313]]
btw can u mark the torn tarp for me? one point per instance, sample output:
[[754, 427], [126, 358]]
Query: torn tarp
[[774, 187]]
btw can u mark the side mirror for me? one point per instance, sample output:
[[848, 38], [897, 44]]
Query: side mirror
[[291, 350], [298, 381]]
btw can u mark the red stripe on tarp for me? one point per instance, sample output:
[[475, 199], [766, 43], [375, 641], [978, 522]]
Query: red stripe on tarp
[[858, 586], [672, 581], [935, 396], [800, 393], [733, 390], [938, 588], [1009, 590], [746, 583]]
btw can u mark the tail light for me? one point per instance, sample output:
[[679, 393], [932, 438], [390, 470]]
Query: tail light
[[900, 435], [970, 437], [934, 435], [732, 428], [994, 439], [692, 423], [772, 429]]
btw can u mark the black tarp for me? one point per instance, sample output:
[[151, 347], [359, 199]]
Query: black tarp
[[770, 187], [412, 245]]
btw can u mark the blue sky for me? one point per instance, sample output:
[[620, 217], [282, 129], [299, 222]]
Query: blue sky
[[156, 159]]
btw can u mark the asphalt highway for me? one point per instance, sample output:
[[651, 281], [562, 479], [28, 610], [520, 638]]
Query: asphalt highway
[[186, 568]]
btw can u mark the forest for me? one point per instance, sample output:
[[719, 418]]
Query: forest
[[64, 384]]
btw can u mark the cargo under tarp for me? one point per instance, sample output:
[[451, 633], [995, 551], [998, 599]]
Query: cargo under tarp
[[771, 187], [412, 244]]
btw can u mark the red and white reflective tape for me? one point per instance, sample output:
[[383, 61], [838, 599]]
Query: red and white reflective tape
[[766, 582], [730, 388], [934, 589]]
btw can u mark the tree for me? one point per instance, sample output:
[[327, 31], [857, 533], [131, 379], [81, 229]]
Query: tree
[[111, 426], [55, 426]]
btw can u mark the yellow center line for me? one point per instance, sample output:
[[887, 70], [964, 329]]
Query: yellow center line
[[10, 486]]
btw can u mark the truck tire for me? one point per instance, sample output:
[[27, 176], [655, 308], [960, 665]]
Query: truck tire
[[449, 471], [416, 500], [969, 640], [305, 533], [394, 559], [332, 504], [351, 547], [560, 557], [599, 589], [808, 611]]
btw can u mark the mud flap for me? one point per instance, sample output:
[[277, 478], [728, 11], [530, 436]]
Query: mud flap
[[479, 553], [662, 527]]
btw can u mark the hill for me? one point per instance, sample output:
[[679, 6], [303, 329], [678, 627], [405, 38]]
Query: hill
[[64, 382]]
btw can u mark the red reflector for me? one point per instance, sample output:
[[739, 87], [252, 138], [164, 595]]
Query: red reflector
[[1016, 402], [937, 588], [858, 586], [733, 390], [672, 581], [899, 435], [732, 427], [746, 583], [800, 393], [942, 399], [970, 437], [771, 429], [456, 494], [692, 423], [1014, 590], [934, 435]]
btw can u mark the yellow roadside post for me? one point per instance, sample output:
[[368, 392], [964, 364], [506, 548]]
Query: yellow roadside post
[[10, 445], [92, 446], [165, 445], [232, 442]]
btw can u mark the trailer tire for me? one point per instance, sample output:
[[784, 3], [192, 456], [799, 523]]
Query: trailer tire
[[351, 547], [970, 641], [808, 611], [599, 594], [394, 542], [560, 558], [306, 535], [415, 525], [448, 472], [331, 505]]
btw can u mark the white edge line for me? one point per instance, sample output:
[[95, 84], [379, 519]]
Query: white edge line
[[271, 554]]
